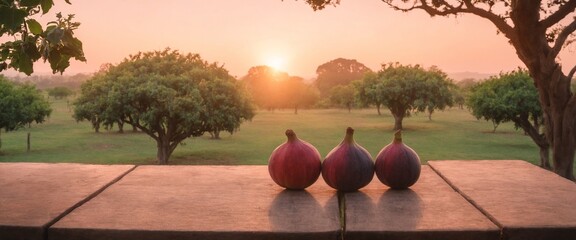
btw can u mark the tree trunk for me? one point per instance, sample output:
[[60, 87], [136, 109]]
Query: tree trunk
[[28, 142], [397, 121], [164, 152], [120, 124], [563, 148], [378, 109], [216, 134], [96, 126], [533, 131], [134, 128], [558, 102], [296, 109], [559, 107], [494, 125], [349, 105], [545, 157]]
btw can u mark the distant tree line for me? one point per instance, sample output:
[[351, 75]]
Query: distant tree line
[[272, 89], [348, 84], [43, 82], [60, 92]]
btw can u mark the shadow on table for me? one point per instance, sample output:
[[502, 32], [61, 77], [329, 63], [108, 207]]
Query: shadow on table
[[399, 209], [298, 211]]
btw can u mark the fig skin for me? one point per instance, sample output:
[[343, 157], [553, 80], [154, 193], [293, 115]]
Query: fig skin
[[295, 164], [397, 165], [348, 167]]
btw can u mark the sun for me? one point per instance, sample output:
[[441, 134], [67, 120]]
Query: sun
[[278, 63]]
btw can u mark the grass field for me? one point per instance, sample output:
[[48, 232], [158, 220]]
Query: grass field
[[452, 134]]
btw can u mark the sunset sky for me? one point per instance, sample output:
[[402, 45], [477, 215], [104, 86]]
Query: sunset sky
[[288, 34]]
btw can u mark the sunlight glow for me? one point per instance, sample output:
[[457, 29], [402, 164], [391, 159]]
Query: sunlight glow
[[277, 63]]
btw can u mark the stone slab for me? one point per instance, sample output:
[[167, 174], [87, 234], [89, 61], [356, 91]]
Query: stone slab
[[430, 209], [528, 202], [34, 195], [203, 202]]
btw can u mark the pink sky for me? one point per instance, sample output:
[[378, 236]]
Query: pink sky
[[242, 34]]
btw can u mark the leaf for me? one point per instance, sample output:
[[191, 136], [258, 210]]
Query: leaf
[[25, 64], [46, 5], [73, 46], [11, 19], [54, 35], [29, 3], [31, 50], [34, 27], [58, 61]]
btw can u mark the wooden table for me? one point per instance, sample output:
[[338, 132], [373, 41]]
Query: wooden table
[[452, 200]]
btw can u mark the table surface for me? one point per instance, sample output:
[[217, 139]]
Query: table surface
[[472, 199], [526, 201]]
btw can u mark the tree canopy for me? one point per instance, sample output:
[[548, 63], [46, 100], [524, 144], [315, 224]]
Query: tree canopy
[[227, 105], [55, 43], [441, 92], [20, 105], [263, 84], [60, 92], [406, 88], [339, 71], [511, 97], [343, 96], [272, 89], [167, 95], [538, 31]]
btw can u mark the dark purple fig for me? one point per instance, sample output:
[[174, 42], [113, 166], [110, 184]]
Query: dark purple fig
[[397, 165], [348, 167]]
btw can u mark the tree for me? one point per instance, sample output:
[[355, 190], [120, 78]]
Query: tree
[[295, 93], [463, 91], [440, 94], [538, 31], [406, 88], [20, 105], [227, 105], [343, 96], [369, 91], [263, 83], [339, 71], [167, 95], [55, 44], [485, 104], [273, 89], [512, 97], [60, 92], [91, 103]]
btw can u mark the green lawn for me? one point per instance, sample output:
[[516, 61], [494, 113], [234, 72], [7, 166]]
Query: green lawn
[[452, 134]]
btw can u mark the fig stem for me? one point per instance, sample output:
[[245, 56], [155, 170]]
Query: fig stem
[[291, 135], [349, 135], [398, 136]]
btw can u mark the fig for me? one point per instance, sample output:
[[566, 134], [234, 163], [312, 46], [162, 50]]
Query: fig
[[295, 164], [397, 165], [348, 167]]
